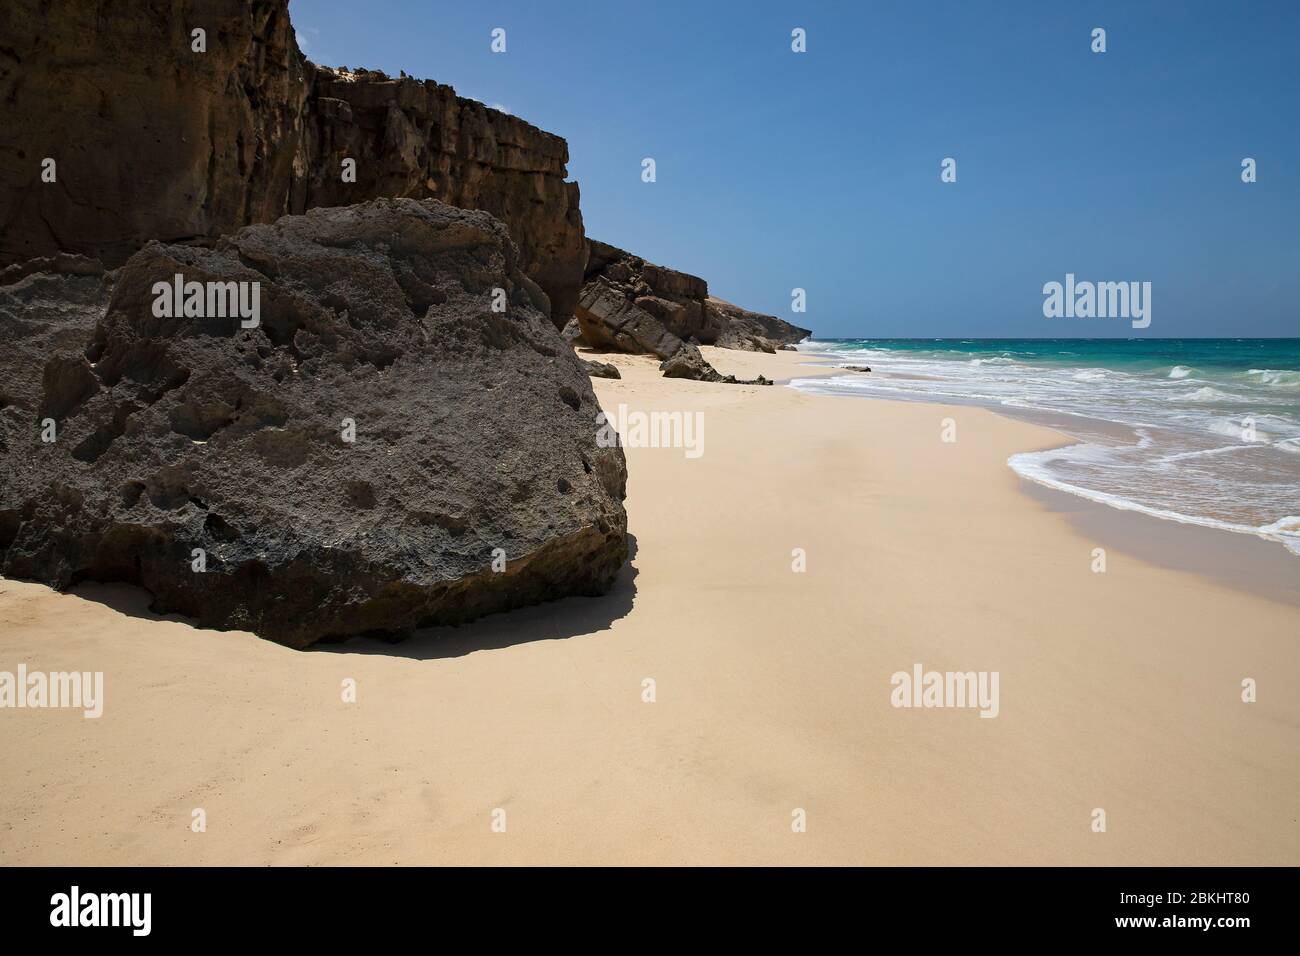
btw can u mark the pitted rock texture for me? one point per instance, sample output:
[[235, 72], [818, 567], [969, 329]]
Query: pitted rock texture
[[47, 305], [152, 140], [474, 430]]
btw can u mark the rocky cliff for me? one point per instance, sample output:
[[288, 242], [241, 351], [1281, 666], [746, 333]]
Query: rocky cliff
[[151, 138], [349, 462], [630, 305], [751, 331], [419, 139]]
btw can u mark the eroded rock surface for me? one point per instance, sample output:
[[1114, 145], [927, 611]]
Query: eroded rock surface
[[473, 430], [418, 138], [750, 331], [687, 362], [630, 305], [601, 369], [151, 139], [47, 305], [611, 320]]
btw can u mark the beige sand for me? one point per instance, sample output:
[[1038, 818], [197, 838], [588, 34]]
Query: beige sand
[[1118, 690]]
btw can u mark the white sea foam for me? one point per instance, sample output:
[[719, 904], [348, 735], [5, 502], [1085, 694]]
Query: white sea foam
[[1235, 428], [1206, 395], [1172, 442], [1031, 465], [1090, 375], [1275, 378]]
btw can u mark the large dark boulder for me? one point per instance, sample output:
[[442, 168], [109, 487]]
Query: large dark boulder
[[474, 430]]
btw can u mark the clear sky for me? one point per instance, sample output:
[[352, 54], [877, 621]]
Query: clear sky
[[821, 170]]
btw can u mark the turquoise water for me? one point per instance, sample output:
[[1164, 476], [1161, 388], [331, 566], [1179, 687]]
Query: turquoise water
[[1204, 431]]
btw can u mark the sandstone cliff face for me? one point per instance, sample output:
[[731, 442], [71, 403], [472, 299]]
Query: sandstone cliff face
[[630, 305], [419, 139], [155, 141], [151, 139], [472, 430]]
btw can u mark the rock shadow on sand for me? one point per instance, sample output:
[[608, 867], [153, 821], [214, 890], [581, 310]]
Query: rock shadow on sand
[[552, 621]]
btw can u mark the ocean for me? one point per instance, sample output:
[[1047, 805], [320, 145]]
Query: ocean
[[1202, 431]]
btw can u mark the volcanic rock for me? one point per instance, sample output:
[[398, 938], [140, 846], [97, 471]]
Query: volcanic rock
[[349, 465], [47, 306]]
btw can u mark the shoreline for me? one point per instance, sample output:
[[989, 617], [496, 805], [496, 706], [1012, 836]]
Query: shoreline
[[772, 688], [1260, 564]]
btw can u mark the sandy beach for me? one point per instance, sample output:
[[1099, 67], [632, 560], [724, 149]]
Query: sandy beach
[[1118, 690]]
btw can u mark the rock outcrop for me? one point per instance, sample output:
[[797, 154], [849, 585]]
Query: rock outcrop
[[152, 139], [601, 369], [630, 305], [419, 139], [347, 465], [572, 333], [750, 331], [687, 362], [663, 298], [611, 320]]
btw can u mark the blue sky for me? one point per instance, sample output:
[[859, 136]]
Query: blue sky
[[821, 170]]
